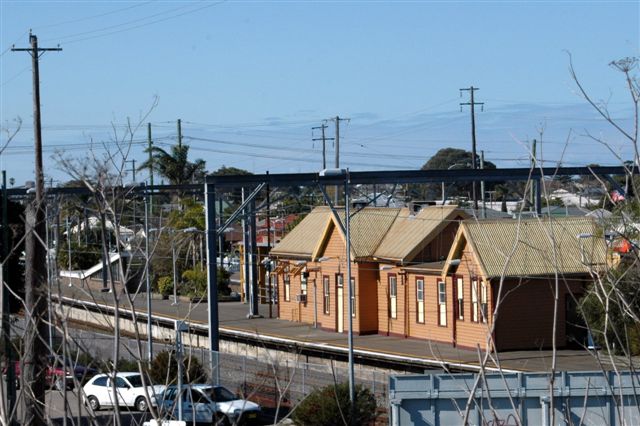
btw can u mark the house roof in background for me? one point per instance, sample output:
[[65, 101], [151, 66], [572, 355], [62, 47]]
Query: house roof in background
[[532, 247], [564, 211]]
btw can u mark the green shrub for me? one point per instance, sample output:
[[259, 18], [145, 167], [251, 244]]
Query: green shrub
[[195, 282], [164, 369], [610, 307], [127, 365], [165, 285], [331, 406], [82, 256]]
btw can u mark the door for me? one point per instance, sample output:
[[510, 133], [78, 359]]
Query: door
[[340, 303], [202, 406], [123, 391]]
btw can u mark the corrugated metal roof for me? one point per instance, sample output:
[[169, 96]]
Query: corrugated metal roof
[[411, 232], [302, 239], [535, 246], [368, 227]]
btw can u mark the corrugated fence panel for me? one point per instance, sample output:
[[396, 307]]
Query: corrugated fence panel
[[580, 398]]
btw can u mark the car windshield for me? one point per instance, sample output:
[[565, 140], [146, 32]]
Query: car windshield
[[135, 380], [221, 394]]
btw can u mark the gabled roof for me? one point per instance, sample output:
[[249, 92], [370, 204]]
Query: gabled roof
[[410, 233], [388, 233], [304, 238], [368, 228], [531, 247]]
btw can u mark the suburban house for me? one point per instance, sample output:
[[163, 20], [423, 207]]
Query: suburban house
[[310, 265], [518, 266]]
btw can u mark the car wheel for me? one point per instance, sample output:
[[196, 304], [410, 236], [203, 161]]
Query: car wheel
[[93, 403], [220, 420], [141, 404]]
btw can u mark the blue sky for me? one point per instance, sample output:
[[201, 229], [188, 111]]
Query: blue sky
[[249, 79]]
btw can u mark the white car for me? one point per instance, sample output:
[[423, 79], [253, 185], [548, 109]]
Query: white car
[[98, 392], [209, 404]]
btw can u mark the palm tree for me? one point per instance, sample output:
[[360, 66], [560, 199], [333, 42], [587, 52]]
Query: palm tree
[[175, 166]]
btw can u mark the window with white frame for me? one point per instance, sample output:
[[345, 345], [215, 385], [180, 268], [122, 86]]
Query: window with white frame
[[420, 300], [287, 288], [353, 297], [460, 297], [274, 287], [474, 300], [325, 294], [393, 296], [483, 301], [442, 303], [304, 278]]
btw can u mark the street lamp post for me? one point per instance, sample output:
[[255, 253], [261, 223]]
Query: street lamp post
[[453, 166]]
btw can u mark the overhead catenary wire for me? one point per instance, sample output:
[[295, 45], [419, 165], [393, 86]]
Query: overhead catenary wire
[[91, 17], [130, 28]]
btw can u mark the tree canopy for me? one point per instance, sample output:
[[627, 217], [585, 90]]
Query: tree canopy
[[226, 171], [446, 159], [175, 165]]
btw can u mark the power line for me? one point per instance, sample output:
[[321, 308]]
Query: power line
[[136, 26], [88, 18]]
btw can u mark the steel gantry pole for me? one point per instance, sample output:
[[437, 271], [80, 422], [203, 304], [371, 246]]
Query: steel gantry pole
[[148, 280], [347, 225], [212, 279]]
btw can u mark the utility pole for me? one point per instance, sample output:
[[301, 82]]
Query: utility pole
[[323, 139], [150, 149], [268, 265], [474, 161], [133, 168], [482, 197], [35, 357], [179, 133], [337, 121], [532, 197], [6, 317]]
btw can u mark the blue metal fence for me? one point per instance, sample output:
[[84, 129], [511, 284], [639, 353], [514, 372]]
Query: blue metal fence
[[509, 399]]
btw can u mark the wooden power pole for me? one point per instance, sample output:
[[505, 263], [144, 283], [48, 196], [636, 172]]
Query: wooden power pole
[[474, 161], [337, 120], [35, 351], [324, 140]]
